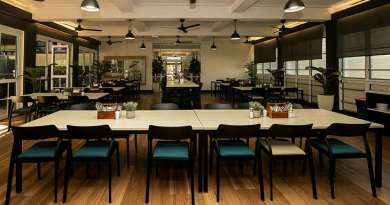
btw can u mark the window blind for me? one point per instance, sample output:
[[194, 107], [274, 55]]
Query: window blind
[[265, 52]]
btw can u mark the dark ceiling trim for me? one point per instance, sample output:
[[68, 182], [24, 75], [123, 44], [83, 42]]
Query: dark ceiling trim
[[91, 40], [300, 28], [359, 8], [262, 40], [59, 28], [14, 11]]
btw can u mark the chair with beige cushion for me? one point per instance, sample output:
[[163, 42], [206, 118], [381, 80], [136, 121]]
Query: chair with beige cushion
[[257, 94], [277, 146]]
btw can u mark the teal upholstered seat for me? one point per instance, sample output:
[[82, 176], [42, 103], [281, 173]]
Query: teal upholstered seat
[[25, 109], [49, 110], [171, 150], [234, 148], [41, 150], [93, 149], [338, 147]]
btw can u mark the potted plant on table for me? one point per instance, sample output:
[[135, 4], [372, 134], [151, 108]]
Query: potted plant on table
[[130, 108], [325, 77], [277, 75], [257, 109], [67, 91]]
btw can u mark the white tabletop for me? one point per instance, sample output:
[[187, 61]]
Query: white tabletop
[[141, 122], [91, 96], [321, 119], [115, 89], [248, 88], [186, 84]]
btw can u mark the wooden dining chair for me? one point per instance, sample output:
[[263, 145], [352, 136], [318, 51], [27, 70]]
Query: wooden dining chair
[[83, 107], [43, 151], [277, 147], [217, 106], [164, 106], [77, 100], [241, 106], [25, 110], [337, 149], [47, 105], [171, 149], [93, 150], [258, 94], [236, 150], [290, 94]]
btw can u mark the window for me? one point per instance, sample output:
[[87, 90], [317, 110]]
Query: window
[[354, 67], [302, 67], [8, 56], [380, 67], [291, 67]]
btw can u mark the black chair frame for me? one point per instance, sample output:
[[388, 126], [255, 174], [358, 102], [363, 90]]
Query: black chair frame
[[21, 99]]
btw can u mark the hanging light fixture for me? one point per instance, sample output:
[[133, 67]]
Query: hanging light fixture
[[143, 47], [235, 35], [213, 47], [129, 35], [90, 5], [294, 6]]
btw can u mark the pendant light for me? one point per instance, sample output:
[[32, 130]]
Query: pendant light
[[235, 35], [143, 47], [90, 5], [294, 6], [129, 35], [213, 47]]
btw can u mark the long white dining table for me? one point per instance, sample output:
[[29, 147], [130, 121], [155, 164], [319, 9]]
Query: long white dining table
[[205, 122], [91, 96]]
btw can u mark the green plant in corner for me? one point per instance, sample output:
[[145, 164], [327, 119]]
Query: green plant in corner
[[195, 66], [157, 66], [251, 69], [99, 70], [36, 76], [325, 76], [81, 74], [277, 74]]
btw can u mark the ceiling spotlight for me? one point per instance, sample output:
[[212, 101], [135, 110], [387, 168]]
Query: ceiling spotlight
[[143, 47], [294, 6], [90, 5], [235, 35], [129, 35], [213, 47]]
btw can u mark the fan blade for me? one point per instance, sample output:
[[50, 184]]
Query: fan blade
[[195, 25], [87, 29], [185, 41], [192, 1], [274, 27], [116, 41], [276, 32], [185, 30]]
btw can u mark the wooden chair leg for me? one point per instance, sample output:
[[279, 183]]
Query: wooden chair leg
[[192, 182], [331, 177], [10, 176], [66, 179], [371, 174], [320, 159], [109, 179], [261, 180], [135, 143], [211, 157], [128, 152], [156, 168], [148, 180], [241, 164], [118, 164], [270, 178], [312, 173], [39, 170], [56, 165], [87, 169], [218, 173]]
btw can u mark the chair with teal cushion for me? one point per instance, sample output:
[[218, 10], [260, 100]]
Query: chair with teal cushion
[[43, 151], [171, 149], [25, 110], [93, 150], [336, 149], [236, 150], [47, 105]]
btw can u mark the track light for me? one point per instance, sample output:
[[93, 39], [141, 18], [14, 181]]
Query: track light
[[143, 47], [90, 5], [294, 6], [129, 35], [235, 35], [213, 47]]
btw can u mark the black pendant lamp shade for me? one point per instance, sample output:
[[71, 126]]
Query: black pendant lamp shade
[[213, 47], [235, 35], [90, 5], [294, 6], [143, 47], [129, 35]]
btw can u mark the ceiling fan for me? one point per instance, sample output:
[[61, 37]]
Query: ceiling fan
[[111, 42], [184, 28], [179, 42], [282, 28], [79, 28], [247, 40], [192, 1]]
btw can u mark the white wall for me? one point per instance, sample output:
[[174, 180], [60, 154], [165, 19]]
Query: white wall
[[130, 48], [226, 62]]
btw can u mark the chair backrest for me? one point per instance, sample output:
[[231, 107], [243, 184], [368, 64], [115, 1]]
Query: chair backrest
[[90, 132], [289, 131], [258, 91], [78, 99], [83, 107], [107, 90], [217, 106], [169, 133], [234, 84], [164, 106], [238, 131], [290, 90], [35, 133], [272, 91], [48, 91], [297, 106], [86, 90], [21, 99], [219, 80], [242, 106], [347, 130], [48, 99], [96, 91]]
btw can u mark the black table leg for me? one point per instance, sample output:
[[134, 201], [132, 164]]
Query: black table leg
[[234, 97], [378, 158], [302, 97], [205, 162], [200, 161], [211, 88]]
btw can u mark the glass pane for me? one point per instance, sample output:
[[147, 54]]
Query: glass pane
[[302, 67], [266, 66], [274, 65], [56, 83], [320, 62], [8, 56], [60, 59], [63, 82], [259, 68], [354, 67], [380, 67], [290, 67], [40, 57], [87, 61], [3, 100], [324, 45]]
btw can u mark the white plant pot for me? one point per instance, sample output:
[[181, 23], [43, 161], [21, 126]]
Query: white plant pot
[[256, 113], [325, 102], [176, 81], [156, 87], [130, 114]]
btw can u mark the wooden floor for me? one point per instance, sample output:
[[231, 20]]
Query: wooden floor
[[172, 185]]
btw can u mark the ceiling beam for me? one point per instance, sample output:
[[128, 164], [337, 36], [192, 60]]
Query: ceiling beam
[[218, 26], [140, 26], [241, 6], [125, 6]]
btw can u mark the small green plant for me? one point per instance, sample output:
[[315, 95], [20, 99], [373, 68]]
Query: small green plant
[[130, 106], [34, 75], [67, 90], [256, 106], [325, 77], [176, 76], [251, 69], [99, 70], [195, 66]]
